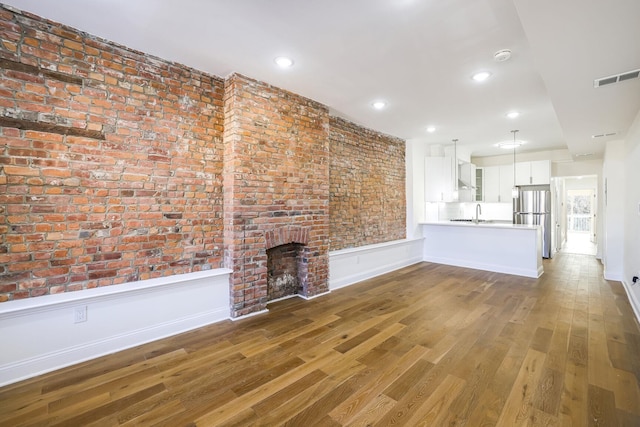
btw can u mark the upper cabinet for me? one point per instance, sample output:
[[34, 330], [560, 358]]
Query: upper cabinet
[[533, 173], [439, 179], [479, 185], [497, 182]]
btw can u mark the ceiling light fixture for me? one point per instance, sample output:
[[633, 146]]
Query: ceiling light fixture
[[379, 105], [508, 145], [481, 76], [502, 55], [283, 62], [513, 114], [431, 129], [514, 189]]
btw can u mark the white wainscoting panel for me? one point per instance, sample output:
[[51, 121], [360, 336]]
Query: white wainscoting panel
[[349, 266], [40, 334]]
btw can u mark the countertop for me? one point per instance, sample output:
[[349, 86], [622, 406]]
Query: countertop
[[488, 224]]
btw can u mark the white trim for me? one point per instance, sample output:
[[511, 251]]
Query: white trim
[[67, 299], [353, 265], [39, 334], [313, 296], [617, 276], [246, 316], [283, 298], [497, 268], [633, 300]]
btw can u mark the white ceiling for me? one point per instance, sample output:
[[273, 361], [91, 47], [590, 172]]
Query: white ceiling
[[417, 55]]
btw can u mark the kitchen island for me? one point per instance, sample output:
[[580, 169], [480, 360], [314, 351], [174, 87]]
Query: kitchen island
[[503, 248]]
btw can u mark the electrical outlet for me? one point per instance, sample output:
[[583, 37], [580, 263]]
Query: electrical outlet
[[80, 314]]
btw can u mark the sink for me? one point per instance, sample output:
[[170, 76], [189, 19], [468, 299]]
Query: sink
[[470, 220]]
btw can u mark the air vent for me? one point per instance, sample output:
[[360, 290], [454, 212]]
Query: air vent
[[602, 135], [617, 78]]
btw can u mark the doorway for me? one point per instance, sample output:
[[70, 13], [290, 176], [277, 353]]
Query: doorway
[[580, 203]]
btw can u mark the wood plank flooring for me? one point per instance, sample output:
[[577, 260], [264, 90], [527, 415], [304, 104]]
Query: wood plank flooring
[[427, 345]]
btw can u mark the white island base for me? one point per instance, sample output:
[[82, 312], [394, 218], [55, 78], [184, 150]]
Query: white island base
[[502, 248]]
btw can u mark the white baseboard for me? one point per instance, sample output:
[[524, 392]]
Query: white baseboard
[[39, 334], [349, 266], [498, 268], [615, 275], [633, 299]]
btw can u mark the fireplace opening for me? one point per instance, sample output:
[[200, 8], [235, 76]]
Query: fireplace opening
[[286, 270]]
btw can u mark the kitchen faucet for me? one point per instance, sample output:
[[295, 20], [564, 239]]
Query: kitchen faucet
[[478, 209]]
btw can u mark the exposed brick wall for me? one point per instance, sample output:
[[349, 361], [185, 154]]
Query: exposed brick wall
[[117, 166], [367, 175], [140, 197], [276, 175]]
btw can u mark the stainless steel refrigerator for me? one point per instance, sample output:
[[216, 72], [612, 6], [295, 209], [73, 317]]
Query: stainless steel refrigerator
[[533, 207]]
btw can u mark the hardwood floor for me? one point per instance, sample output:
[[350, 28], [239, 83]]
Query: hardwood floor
[[427, 345]]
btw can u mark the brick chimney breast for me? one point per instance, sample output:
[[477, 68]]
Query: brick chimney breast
[[276, 192]]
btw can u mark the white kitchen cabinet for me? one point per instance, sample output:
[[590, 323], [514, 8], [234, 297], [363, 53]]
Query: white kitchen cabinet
[[479, 185], [497, 183], [533, 173], [439, 185], [541, 172], [491, 183], [506, 183]]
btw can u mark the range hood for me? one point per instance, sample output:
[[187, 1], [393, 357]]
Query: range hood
[[466, 175], [465, 185]]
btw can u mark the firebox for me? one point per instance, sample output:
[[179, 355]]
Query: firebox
[[286, 270]]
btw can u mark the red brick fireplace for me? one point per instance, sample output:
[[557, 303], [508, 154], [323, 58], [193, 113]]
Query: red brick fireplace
[[118, 166], [276, 188]]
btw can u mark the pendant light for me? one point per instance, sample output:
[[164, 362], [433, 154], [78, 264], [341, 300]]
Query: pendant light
[[455, 170], [514, 190]]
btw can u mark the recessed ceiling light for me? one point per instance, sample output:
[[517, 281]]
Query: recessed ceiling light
[[379, 105], [481, 76], [513, 114], [283, 62], [509, 145], [431, 129], [584, 154]]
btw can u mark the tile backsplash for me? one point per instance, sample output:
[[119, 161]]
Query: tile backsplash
[[490, 211]]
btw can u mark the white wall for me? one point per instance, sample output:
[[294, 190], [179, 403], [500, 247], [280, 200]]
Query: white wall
[[578, 168], [415, 152], [632, 213], [507, 159], [613, 182]]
